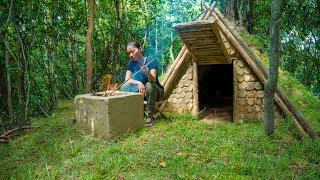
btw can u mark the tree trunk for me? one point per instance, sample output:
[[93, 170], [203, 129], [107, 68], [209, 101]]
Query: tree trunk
[[242, 11], [271, 84], [23, 68], [9, 93], [250, 18], [3, 89], [117, 36], [73, 63], [89, 51], [232, 10]]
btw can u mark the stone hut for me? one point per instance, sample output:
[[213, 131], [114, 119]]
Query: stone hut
[[218, 71], [214, 71]]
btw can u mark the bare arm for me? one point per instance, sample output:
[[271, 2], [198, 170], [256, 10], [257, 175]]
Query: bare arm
[[152, 75], [132, 81]]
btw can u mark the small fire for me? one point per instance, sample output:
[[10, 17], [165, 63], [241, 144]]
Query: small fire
[[109, 86]]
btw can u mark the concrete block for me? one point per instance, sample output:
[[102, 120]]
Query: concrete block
[[107, 117]]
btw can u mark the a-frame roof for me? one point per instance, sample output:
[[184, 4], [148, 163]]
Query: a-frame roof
[[205, 42], [201, 41]]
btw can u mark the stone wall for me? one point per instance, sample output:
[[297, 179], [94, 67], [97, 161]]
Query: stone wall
[[248, 93], [181, 98]]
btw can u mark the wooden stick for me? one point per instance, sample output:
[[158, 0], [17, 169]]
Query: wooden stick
[[14, 129]]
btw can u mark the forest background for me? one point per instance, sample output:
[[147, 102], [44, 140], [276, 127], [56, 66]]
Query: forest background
[[43, 44]]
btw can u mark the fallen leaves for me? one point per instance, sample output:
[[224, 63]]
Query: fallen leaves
[[163, 164]]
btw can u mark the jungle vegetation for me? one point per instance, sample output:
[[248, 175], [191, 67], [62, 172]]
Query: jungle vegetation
[[43, 44]]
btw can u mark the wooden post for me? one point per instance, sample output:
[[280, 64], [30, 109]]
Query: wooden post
[[195, 108], [235, 91]]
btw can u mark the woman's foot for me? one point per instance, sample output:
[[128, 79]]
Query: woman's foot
[[150, 121]]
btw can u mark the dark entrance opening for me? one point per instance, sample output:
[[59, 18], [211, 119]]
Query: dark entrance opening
[[216, 91]]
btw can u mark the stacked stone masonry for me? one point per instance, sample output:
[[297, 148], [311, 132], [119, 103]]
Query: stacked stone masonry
[[181, 98], [248, 93]]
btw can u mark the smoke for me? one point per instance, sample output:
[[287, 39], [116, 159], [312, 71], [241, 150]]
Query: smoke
[[160, 40], [130, 88]]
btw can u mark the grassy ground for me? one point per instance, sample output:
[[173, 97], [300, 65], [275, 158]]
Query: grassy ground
[[182, 148]]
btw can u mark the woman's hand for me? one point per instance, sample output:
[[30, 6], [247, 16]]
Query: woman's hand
[[145, 69], [142, 88]]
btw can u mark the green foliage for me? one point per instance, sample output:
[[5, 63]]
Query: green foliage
[[300, 38], [184, 148], [47, 41]]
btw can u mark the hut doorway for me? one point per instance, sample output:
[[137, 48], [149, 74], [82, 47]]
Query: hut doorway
[[216, 91]]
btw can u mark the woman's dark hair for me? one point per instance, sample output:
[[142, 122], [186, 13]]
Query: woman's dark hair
[[135, 44]]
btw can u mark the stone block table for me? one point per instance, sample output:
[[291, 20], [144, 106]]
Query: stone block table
[[107, 117]]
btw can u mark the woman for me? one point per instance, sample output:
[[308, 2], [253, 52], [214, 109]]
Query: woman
[[145, 81]]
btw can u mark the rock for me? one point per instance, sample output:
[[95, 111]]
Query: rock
[[240, 78], [258, 101], [257, 108], [253, 77], [258, 86], [246, 70], [260, 94], [240, 63], [247, 78], [251, 95], [250, 101], [249, 86], [190, 76], [240, 71], [242, 94], [249, 109], [241, 101]]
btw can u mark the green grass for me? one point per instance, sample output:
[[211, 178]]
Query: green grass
[[184, 148]]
